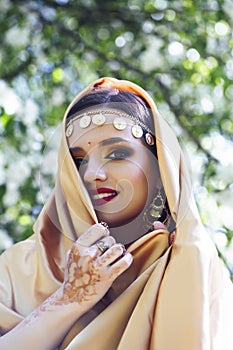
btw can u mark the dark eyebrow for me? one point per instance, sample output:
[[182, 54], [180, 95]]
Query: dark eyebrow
[[112, 140], [102, 143], [75, 149]]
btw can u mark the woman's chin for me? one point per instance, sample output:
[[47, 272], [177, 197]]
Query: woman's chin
[[115, 220]]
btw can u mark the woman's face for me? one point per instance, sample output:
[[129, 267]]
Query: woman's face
[[118, 170]]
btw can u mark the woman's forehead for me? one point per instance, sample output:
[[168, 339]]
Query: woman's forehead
[[100, 135]]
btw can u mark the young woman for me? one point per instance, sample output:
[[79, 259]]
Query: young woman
[[119, 258]]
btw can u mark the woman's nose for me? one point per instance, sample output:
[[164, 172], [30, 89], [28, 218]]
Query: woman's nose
[[94, 171]]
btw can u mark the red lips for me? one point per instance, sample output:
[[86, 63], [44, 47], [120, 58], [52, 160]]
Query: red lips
[[103, 195]]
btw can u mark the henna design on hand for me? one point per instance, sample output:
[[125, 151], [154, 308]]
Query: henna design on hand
[[88, 276], [81, 276]]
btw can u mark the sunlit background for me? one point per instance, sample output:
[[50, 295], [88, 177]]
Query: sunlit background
[[181, 52]]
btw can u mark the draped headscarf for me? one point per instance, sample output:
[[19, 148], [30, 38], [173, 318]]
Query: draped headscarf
[[172, 297]]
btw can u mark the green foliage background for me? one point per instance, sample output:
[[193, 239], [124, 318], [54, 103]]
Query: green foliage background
[[180, 51]]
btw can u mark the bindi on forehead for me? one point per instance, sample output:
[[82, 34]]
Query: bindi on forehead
[[101, 136], [104, 143]]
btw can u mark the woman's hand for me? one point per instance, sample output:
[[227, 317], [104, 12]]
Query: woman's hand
[[157, 225], [89, 273], [94, 262]]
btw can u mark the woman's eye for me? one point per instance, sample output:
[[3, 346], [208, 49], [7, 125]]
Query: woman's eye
[[80, 161], [119, 154]]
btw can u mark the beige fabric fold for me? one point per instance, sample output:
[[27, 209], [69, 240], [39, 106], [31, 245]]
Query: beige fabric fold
[[177, 297], [123, 296]]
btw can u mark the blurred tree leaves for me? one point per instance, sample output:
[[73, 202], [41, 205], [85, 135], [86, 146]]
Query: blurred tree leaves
[[180, 51]]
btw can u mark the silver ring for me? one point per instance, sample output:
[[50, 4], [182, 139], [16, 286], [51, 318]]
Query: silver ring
[[102, 246], [103, 223]]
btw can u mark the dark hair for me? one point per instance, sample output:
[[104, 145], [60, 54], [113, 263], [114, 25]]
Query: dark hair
[[126, 101]]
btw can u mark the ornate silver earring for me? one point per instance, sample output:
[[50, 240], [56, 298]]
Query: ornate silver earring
[[156, 211]]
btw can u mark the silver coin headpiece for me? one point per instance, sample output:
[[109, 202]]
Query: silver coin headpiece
[[98, 118]]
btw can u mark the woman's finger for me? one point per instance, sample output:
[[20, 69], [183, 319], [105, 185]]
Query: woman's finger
[[171, 238], [121, 265], [105, 243], [93, 234], [112, 254], [157, 225]]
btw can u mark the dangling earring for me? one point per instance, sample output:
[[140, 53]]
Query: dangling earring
[[156, 211]]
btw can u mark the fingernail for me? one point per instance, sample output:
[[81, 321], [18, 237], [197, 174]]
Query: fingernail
[[123, 247], [159, 225], [128, 257]]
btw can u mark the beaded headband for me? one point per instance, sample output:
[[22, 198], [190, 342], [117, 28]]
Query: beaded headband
[[98, 118]]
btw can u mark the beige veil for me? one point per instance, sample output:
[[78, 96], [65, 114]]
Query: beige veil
[[178, 297]]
